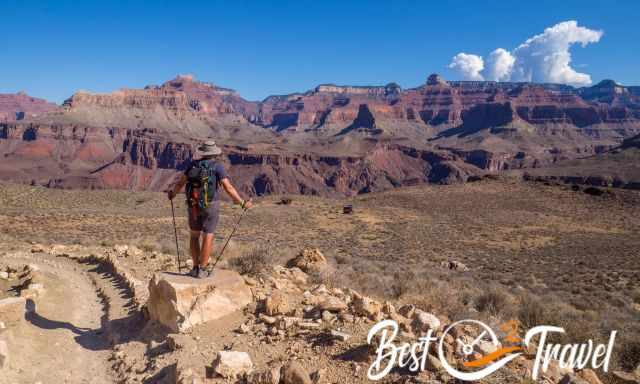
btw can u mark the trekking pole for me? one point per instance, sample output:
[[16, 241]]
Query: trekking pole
[[175, 231], [233, 231]]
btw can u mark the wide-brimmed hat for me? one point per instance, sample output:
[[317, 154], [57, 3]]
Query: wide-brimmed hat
[[209, 148]]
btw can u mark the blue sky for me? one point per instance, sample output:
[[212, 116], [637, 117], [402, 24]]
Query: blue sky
[[51, 49]]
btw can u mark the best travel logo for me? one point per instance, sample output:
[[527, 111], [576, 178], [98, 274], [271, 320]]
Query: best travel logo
[[478, 356]]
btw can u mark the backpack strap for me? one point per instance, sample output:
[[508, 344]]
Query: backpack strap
[[211, 169], [211, 186]]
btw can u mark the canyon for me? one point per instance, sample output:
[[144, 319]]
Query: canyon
[[331, 140]]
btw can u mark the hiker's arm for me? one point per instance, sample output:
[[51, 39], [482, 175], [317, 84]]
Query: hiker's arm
[[235, 196], [172, 192]]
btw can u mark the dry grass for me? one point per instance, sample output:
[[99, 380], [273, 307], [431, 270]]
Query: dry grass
[[254, 262], [494, 302]]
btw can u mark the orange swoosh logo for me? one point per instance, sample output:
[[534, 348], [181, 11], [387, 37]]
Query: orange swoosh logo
[[491, 357]]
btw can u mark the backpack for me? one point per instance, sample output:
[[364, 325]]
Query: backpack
[[202, 184]]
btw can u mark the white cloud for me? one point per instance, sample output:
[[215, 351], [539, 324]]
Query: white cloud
[[469, 66], [499, 65], [542, 58]]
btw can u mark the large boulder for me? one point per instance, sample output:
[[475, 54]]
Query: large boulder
[[423, 321], [232, 364], [309, 260], [332, 304], [180, 302], [365, 306], [454, 265]]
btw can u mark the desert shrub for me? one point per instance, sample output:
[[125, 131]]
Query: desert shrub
[[402, 283], [147, 247], [330, 278], [494, 301], [579, 325], [361, 275], [579, 330], [531, 312], [253, 262], [619, 301], [452, 299], [342, 259], [628, 355]]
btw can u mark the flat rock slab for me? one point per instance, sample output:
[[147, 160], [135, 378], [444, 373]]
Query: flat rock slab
[[12, 309], [180, 302]]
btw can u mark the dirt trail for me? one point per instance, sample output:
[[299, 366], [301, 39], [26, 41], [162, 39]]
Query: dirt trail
[[64, 338]]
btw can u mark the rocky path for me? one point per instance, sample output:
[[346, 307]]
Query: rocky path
[[67, 336]]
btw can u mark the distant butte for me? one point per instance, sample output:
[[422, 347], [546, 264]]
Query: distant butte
[[20, 106]]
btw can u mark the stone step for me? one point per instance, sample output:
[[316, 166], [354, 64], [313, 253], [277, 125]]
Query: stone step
[[180, 302]]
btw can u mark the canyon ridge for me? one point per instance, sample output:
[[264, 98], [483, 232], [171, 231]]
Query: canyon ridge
[[331, 140]]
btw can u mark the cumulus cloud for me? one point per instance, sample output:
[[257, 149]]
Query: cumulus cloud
[[499, 65], [468, 65], [541, 58]]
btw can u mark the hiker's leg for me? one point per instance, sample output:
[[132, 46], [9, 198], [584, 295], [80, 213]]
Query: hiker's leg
[[195, 247], [207, 246], [209, 225]]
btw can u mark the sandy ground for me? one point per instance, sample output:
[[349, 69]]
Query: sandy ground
[[61, 340]]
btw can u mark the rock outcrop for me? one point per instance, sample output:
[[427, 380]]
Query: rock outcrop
[[180, 302], [309, 260]]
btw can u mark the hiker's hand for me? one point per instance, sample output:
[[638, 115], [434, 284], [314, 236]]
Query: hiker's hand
[[171, 194], [247, 204]]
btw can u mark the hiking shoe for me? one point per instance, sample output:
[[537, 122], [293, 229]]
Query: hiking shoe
[[202, 273], [193, 272]]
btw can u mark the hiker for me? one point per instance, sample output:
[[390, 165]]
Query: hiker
[[203, 179]]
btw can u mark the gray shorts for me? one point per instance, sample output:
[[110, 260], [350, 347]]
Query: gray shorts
[[205, 220]]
